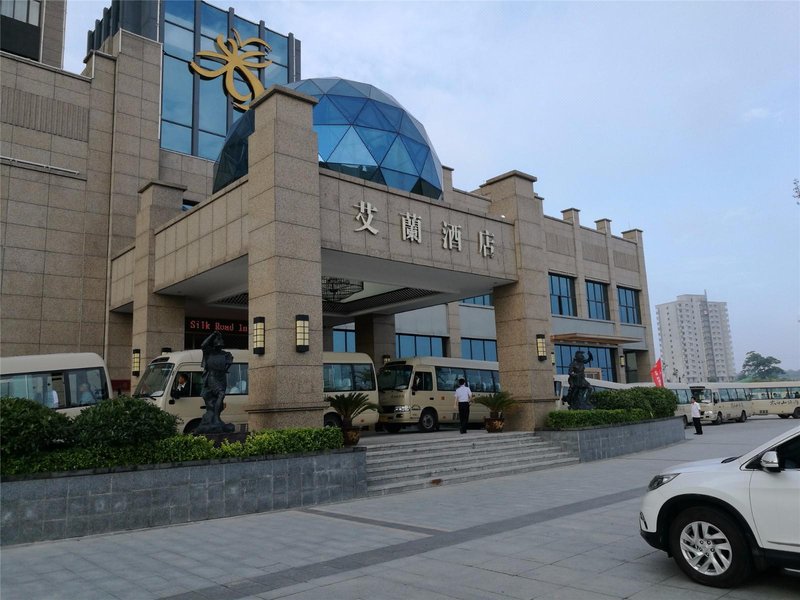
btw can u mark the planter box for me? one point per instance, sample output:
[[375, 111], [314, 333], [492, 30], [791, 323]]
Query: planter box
[[607, 441], [64, 505]]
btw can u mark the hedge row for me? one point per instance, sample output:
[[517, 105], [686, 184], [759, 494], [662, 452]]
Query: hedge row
[[571, 419], [658, 403], [127, 431]]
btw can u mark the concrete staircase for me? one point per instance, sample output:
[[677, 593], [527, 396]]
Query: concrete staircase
[[401, 466]]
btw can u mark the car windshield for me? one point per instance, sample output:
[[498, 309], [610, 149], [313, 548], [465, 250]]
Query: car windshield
[[154, 380], [394, 377]]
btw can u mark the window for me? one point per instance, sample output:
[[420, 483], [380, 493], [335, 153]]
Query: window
[[597, 297], [476, 349], [418, 345], [344, 340], [562, 295], [485, 300], [629, 305], [237, 379], [345, 377], [601, 359], [26, 11]]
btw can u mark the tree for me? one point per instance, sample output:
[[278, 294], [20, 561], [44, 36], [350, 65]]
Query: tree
[[760, 368]]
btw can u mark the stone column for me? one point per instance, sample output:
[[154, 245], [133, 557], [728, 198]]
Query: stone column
[[284, 261], [522, 309], [158, 320], [454, 329], [375, 335], [645, 359]]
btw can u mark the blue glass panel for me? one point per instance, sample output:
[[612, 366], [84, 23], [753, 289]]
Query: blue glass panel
[[326, 83], [490, 349], [393, 114], [437, 346], [328, 137], [477, 350], [364, 88], [178, 41], [423, 345], [275, 74], [372, 117], [207, 43], [339, 341], [175, 137], [377, 141], [209, 145], [310, 88], [377, 177], [348, 105], [351, 151], [397, 180], [408, 128], [180, 12], [325, 113], [405, 345], [177, 91], [213, 107], [245, 28], [343, 88], [418, 152], [280, 47], [430, 174], [213, 21], [397, 159], [381, 96]]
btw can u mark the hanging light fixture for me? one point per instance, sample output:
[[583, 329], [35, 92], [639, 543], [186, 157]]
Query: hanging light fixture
[[336, 289]]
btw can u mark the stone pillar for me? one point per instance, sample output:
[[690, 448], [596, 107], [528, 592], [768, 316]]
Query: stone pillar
[[375, 335], [454, 329], [572, 215], [284, 261], [158, 320], [522, 309], [644, 359]]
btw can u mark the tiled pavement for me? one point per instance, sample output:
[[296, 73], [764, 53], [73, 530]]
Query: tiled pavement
[[568, 533]]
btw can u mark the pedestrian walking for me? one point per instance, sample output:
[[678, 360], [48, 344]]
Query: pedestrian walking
[[463, 398], [698, 427]]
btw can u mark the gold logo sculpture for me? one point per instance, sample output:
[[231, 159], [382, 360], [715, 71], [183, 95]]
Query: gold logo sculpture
[[234, 60]]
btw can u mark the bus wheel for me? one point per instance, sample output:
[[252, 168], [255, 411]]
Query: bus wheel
[[428, 421], [191, 426], [784, 416], [331, 420], [796, 413], [391, 427], [718, 420], [742, 418]]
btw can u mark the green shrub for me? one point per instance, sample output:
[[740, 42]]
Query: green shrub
[[571, 419], [293, 441], [181, 448], [123, 421], [497, 403], [27, 427], [663, 401]]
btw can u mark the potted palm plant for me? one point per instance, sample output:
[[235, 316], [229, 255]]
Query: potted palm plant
[[348, 406], [497, 404]]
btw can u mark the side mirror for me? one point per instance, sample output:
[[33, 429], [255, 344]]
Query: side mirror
[[769, 461]]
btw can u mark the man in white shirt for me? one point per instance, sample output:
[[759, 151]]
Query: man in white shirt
[[463, 398], [698, 427]]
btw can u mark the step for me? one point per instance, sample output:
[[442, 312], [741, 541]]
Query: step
[[450, 445], [418, 484], [390, 459], [457, 438]]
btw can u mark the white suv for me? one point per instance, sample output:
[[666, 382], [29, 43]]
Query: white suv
[[720, 518]]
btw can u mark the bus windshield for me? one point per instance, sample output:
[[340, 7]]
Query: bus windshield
[[154, 380], [394, 377]]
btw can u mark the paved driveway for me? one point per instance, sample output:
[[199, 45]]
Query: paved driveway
[[565, 533]]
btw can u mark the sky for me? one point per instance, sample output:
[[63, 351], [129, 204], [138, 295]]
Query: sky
[[681, 119]]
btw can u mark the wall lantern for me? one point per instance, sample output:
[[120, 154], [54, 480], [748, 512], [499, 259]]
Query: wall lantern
[[553, 358], [622, 361], [541, 348], [386, 358], [166, 350], [136, 362], [259, 342], [301, 332]]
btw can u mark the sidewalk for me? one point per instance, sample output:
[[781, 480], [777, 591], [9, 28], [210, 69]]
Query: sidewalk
[[566, 533]]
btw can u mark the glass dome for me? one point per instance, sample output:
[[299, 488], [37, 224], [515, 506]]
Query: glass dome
[[361, 131]]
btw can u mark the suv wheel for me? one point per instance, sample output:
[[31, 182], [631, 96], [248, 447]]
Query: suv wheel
[[709, 547]]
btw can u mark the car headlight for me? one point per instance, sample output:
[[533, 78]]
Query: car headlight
[[659, 480]]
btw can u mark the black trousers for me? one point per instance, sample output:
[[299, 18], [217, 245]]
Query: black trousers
[[698, 427], [463, 415]]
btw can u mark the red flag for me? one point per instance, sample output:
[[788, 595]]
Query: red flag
[[657, 374]]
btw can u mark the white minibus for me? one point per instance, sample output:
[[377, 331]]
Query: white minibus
[[780, 398], [420, 391], [343, 372], [722, 402], [66, 382]]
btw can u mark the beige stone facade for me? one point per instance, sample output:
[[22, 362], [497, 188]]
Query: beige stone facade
[[98, 254]]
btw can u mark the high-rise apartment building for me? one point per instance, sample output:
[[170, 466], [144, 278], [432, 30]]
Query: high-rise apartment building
[[695, 339]]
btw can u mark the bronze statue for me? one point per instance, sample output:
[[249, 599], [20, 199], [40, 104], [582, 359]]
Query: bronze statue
[[580, 392], [216, 363]]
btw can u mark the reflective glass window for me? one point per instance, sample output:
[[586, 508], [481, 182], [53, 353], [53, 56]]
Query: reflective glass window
[[209, 145], [7, 9], [562, 295], [176, 137], [245, 28], [213, 107], [177, 94], [405, 346], [275, 74], [180, 12], [33, 13], [628, 305], [437, 346], [597, 298], [178, 41], [280, 47], [423, 346], [601, 359], [490, 349], [213, 21], [344, 340]]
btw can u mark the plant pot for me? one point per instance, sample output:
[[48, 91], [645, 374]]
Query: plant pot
[[493, 425], [351, 435]]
